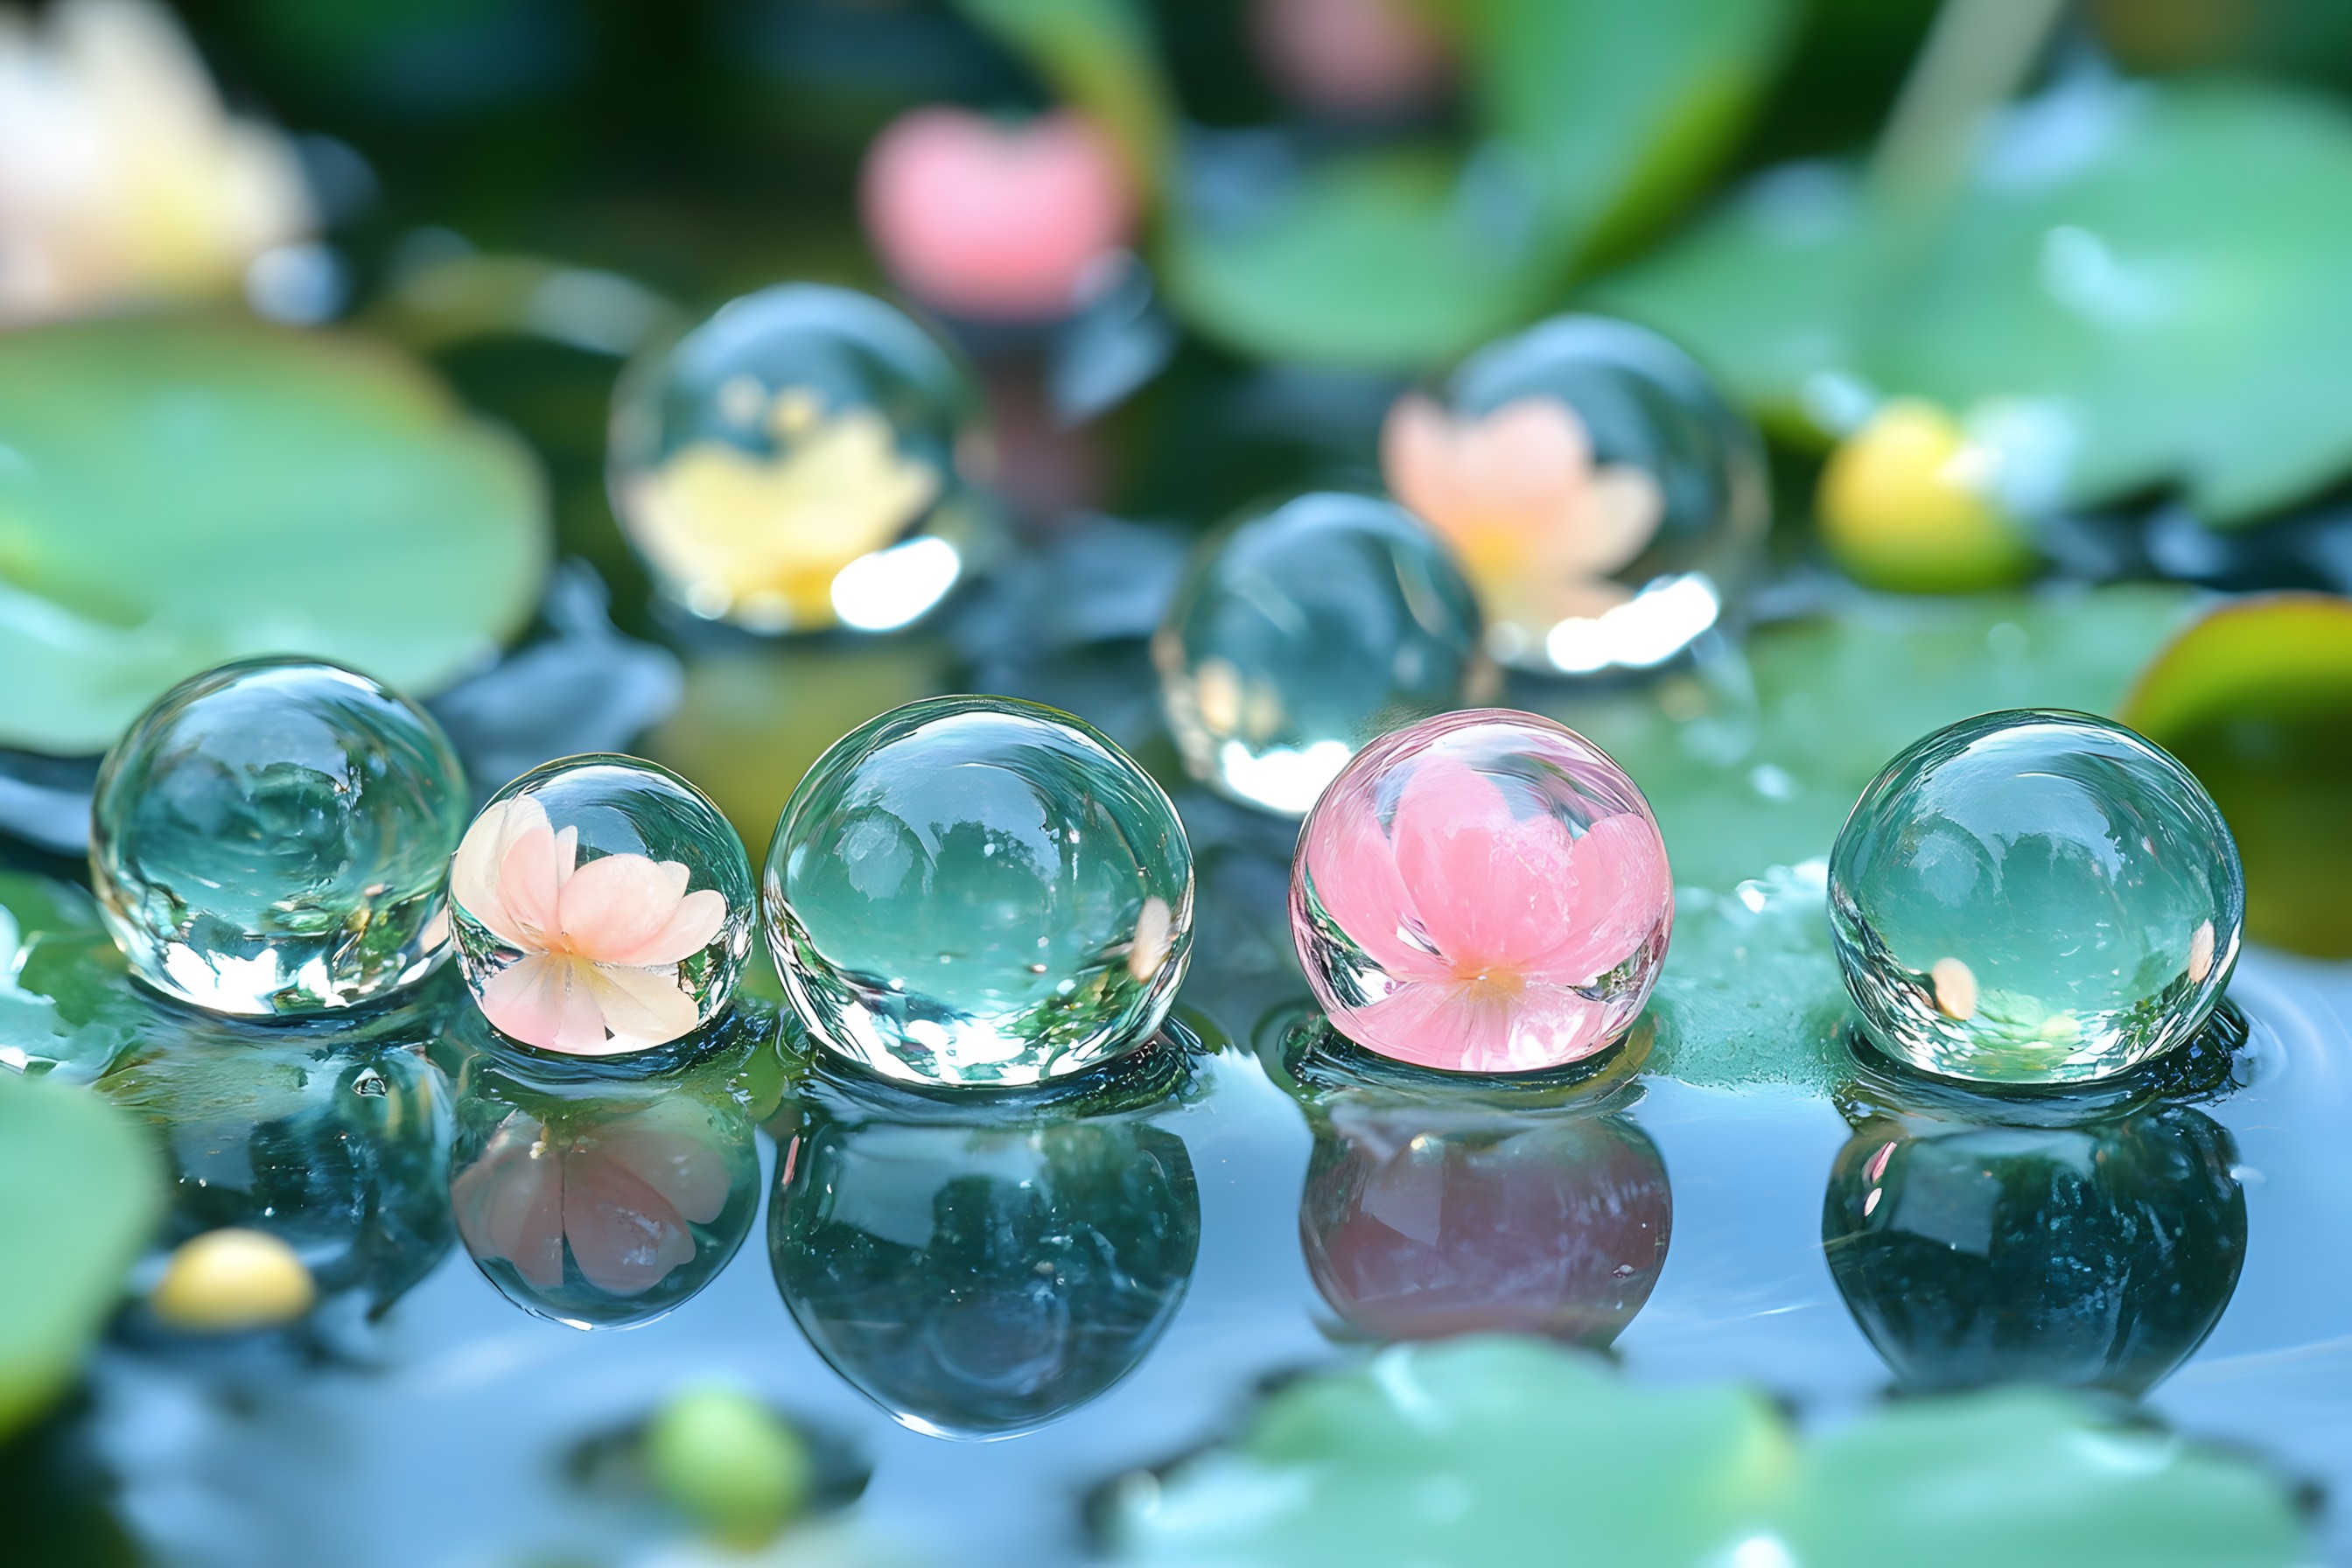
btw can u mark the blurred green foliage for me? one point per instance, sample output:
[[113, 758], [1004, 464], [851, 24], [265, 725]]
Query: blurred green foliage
[[1512, 1450], [79, 1193], [179, 491], [2118, 254]]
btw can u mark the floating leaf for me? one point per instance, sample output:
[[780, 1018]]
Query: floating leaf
[[1751, 992], [79, 1191], [2256, 699], [1595, 121], [1515, 1451], [2118, 252], [66, 1006], [1390, 262], [178, 491], [1754, 766], [1474, 1450]]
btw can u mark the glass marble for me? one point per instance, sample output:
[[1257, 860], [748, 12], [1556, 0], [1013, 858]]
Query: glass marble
[[1606, 498], [1484, 892], [2034, 897], [270, 838], [980, 1276], [800, 461], [1304, 629], [602, 906], [979, 891]]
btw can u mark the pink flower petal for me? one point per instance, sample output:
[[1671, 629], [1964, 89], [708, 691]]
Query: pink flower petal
[[642, 1007], [542, 1001], [1620, 889], [474, 870], [509, 1203], [1447, 1027], [1490, 884], [1354, 875], [694, 923], [615, 904], [531, 875], [625, 1236], [676, 1160]]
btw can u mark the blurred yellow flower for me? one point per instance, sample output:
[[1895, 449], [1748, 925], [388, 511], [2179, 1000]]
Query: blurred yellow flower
[[759, 539], [1540, 527], [1908, 502], [122, 177]]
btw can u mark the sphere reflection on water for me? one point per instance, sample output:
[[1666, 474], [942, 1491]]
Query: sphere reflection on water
[[604, 1202], [984, 1274], [2097, 1254]]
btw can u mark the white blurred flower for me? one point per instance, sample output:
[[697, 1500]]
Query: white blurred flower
[[123, 178]]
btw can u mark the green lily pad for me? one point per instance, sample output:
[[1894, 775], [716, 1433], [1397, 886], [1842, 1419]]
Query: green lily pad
[[2119, 251], [66, 1006], [178, 491], [1754, 766], [1594, 121], [1517, 1451], [79, 1194], [1393, 262], [2256, 699], [1476, 1450], [2026, 1477]]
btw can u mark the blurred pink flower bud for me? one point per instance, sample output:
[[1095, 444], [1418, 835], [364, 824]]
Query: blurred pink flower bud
[[1350, 57], [994, 222]]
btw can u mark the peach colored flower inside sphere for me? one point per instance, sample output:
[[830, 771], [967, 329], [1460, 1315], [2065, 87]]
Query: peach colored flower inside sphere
[[1481, 892]]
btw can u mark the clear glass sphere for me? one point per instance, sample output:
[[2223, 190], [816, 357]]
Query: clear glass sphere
[[270, 838], [602, 906], [979, 891], [1483, 893], [1606, 498], [1304, 629], [792, 464], [2034, 897]]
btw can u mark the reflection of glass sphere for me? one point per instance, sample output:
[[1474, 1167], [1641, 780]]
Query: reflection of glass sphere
[[2097, 1255], [271, 836], [983, 1278], [600, 1203], [331, 1136], [1604, 496], [790, 464], [1424, 1219], [1481, 892], [1301, 632], [2034, 898], [973, 889], [602, 906]]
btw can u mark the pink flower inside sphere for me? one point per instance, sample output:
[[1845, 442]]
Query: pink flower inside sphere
[[1481, 892]]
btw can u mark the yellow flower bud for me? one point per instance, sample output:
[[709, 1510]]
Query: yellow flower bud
[[1905, 503]]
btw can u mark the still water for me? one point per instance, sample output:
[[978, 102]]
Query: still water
[[1044, 1297]]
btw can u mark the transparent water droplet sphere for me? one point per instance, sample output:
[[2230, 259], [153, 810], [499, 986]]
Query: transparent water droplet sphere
[[270, 838], [2035, 897], [1605, 498], [979, 891], [796, 463], [1303, 630], [1481, 892], [602, 906]]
